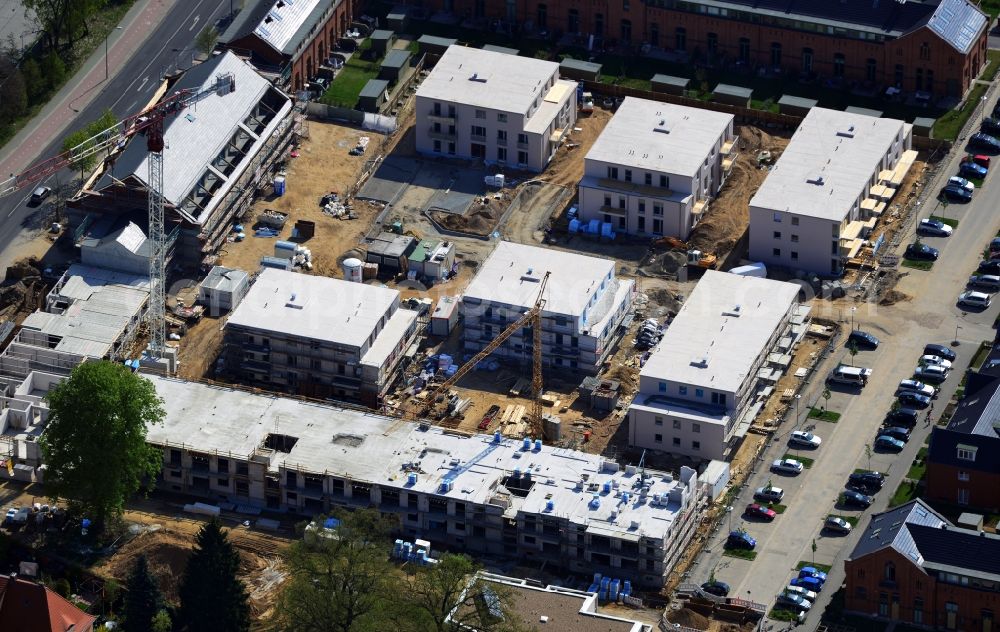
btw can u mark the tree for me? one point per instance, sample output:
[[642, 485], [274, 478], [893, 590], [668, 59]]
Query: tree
[[826, 398], [13, 93], [213, 599], [79, 140], [343, 583], [61, 19], [448, 596], [143, 600], [94, 447], [852, 348], [205, 42], [34, 83], [54, 70], [162, 622]]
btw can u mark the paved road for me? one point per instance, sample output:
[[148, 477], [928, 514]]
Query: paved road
[[930, 316], [157, 36]]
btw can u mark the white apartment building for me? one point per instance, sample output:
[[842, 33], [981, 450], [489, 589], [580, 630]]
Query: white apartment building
[[701, 388], [655, 167], [318, 336], [585, 304], [482, 494], [825, 193], [502, 109]]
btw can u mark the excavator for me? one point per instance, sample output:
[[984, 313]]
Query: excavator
[[694, 257]]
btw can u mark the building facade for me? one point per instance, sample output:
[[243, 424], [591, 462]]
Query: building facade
[[585, 305], [825, 193], [655, 167], [501, 109], [913, 566], [292, 40], [701, 387], [936, 47], [318, 336]]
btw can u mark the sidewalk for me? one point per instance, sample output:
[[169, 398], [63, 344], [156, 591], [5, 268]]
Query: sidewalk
[[55, 119]]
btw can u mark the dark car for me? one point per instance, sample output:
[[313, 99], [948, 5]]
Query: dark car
[[984, 142], [989, 266], [921, 252], [955, 193], [904, 416], [885, 443], [852, 498], [914, 400], [717, 588], [863, 339], [740, 540], [990, 125], [940, 351], [867, 482], [972, 170], [38, 196], [896, 432]]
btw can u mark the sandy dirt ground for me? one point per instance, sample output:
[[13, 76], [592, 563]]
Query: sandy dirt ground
[[566, 168]]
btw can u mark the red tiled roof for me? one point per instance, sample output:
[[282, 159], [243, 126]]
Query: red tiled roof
[[29, 607]]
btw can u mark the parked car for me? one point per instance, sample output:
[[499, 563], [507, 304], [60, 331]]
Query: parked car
[[809, 583], [957, 194], [717, 588], [916, 386], [740, 540], [794, 602], [980, 159], [935, 227], [801, 592], [921, 252], [851, 375], [812, 571], [887, 443], [990, 125], [804, 439], [769, 494], [39, 195], [972, 170], [940, 351], [862, 339], [979, 300], [931, 373], [836, 524], [852, 498], [896, 432], [787, 466], [9, 516], [984, 142], [868, 482], [989, 266], [914, 400], [986, 282], [902, 416], [761, 512], [935, 360], [962, 182]]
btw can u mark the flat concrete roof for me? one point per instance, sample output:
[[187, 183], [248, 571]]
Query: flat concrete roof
[[371, 448], [733, 91], [391, 245], [313, 307], [224, 279], [630, 138], [512, 273], [721, 330], [482, 78], [395, 329], [843, 149]]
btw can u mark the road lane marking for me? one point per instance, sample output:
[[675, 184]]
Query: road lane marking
[[194, 23], [144, 80]]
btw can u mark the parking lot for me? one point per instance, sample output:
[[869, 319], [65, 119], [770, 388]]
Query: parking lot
[[926, 311]]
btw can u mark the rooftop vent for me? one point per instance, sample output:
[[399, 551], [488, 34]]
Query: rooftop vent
[[846, 133], [475, 77], [817, 180], [661, 127], [294, 302], [701, 363]]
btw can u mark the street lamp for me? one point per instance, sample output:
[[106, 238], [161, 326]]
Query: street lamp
[[955, 342], [729, 510], [853, 309], [106, 37], [797, 398]]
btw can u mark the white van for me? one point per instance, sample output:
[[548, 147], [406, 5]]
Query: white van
[[850, 375]]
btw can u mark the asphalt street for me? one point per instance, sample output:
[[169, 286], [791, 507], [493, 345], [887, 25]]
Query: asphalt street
[[929, 315], [168, 46]]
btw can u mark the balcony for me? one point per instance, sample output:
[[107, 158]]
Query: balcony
[[441, 134], [501, 142], [478, 138], [445, 118], [521, 145], [699, 207], [728, 147]]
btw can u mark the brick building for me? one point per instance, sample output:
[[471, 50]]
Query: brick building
[[291, 39], [913, 566], [933, 46], [963, 460]]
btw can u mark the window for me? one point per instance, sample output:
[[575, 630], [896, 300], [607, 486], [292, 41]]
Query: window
[[925, 51], [699, 392], [502, 135], [628, 175], [889, 572], [522, 157], [839, 63], [658, 438], [898, 76], [649, 179], [795, 239], [664, 182], [712, 43], [807, 60], [607, 199], [657, 210], [501, 117], [522, 138], [677, 424], [696, 428], [777, 234], [776, 252], [502, 154], [683, 390], [626, 27], [777, 217], [677, 442], [612, 173], [963, 476], [658, 421], [861, 592], [745, 50], [478, 131], [795, 255], [480, 114], [696, 445], [795, 221], [642, 208], [573, 21], [871, 69], [680, 38], [963, 497], [918, 610], [776, 54], [663, 387], [966, 453]]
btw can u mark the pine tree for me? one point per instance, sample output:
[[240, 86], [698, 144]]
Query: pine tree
[[213, 599], [143, 599]]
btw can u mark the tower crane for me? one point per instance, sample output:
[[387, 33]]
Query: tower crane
[[532, 317], [115, 137]]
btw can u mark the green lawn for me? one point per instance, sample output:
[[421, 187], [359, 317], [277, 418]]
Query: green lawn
[[346, 87], [991, 6], [806, 461], [824, 415], [907, 491], [852, 520], [916, 471], [778, 509], [825, 568], [947, 220], [917, 264], [994, 65], [981, 353], [782, 614], [742, 554], [949, 125]]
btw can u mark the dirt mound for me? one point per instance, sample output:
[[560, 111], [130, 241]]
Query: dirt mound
[[482, 220], [894, 296], [689, 618], [665, 263], [663, 298], [627, 375]]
